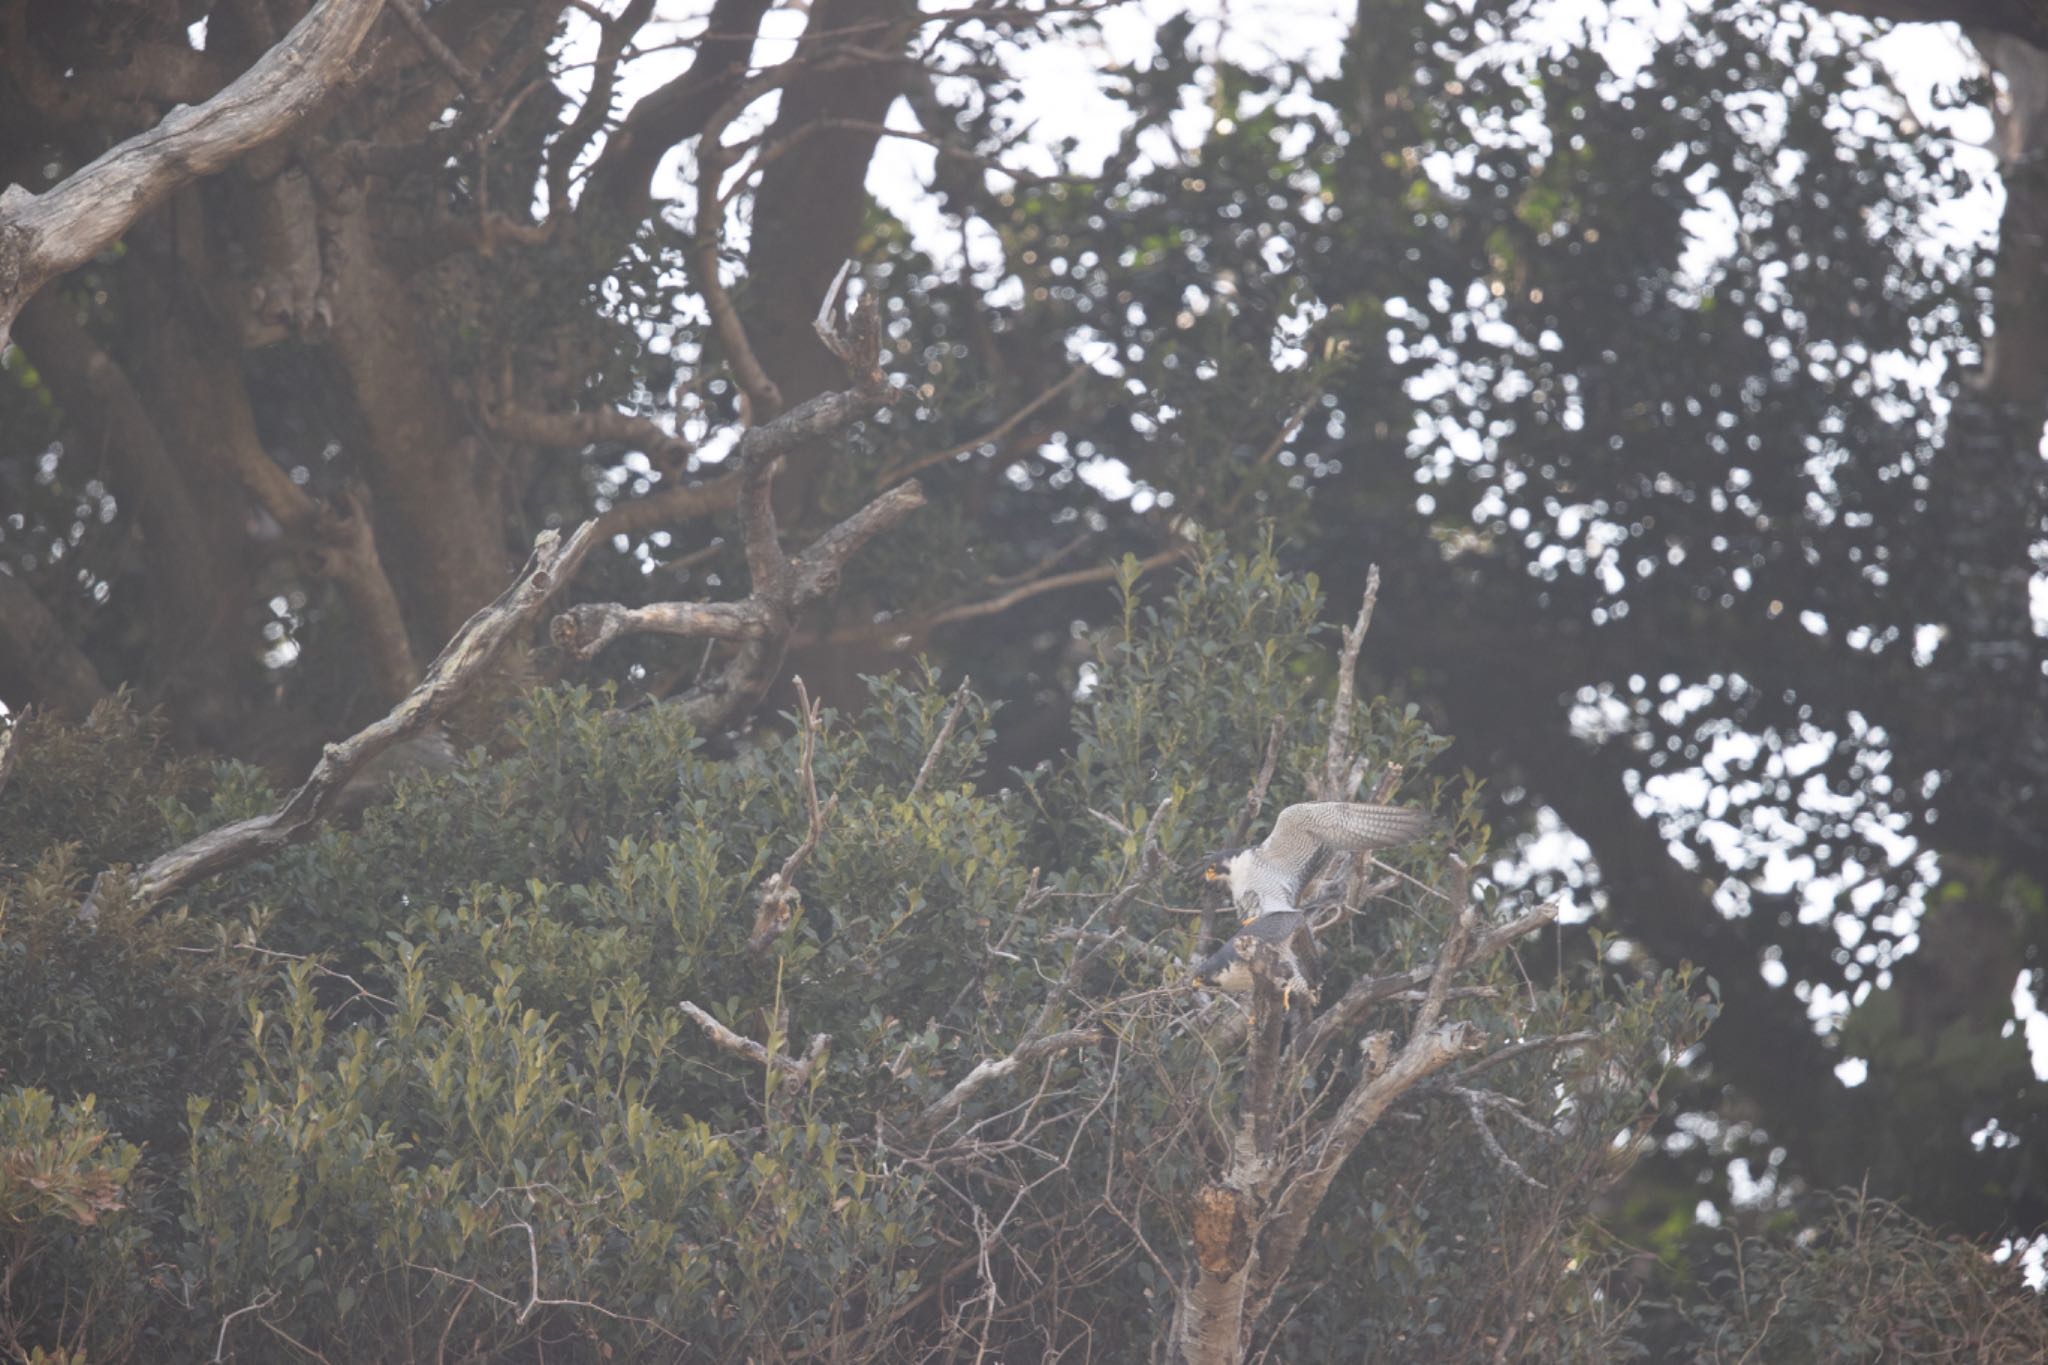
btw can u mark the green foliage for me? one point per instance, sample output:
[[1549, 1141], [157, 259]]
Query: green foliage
[[101, 785], [1862, 1280], [68, 1238], [449, 1101]]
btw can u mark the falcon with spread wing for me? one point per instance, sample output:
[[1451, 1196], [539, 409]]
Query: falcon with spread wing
[[1270, 876]]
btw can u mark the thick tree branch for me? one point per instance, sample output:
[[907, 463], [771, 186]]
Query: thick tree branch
[[44, 235], [460, 667], [618, 188], [779, 586]]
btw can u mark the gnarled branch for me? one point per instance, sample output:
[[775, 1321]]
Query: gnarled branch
[[460, 666], [779, 586], [44, 235]]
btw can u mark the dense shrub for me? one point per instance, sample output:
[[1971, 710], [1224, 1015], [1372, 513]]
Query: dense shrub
[[424, 1088]]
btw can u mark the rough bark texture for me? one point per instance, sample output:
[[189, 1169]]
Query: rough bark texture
[[44, 235]]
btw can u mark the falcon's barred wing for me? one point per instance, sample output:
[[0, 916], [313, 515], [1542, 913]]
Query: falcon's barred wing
[[1308, 833]]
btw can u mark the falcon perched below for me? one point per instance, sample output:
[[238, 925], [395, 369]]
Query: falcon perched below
[[1270, 876]]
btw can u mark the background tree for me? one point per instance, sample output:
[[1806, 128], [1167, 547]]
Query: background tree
[[1753, 526]]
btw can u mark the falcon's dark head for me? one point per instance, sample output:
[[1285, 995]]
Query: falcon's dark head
[[1215, 867]]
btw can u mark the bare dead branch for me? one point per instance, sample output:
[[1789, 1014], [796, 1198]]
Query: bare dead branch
[[261, 1302], [1255, 799], [780, 902], [859, 346], [1038, 1040], [1475, 1108], [1456, 945], [45, 235], [1337, 759], [924, 770], [1351, 1008], [990, 1069], [779, 586], [740, 1045], [588, 627], [462, 663]]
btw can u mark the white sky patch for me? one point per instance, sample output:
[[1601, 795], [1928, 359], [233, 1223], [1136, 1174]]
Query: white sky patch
[[2027, 1012]]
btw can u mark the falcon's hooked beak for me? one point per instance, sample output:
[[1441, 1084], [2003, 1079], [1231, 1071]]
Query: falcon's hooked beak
[[1215, 867]]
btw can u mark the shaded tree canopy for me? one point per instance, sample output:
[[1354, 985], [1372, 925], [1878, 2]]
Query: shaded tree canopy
[[1682, 378]]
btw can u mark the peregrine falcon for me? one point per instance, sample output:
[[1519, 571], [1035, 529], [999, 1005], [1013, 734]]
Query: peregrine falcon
[[1267, 878]]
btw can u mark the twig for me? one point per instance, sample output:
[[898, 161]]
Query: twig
[[918, 463], [261, 1302], [1038, 1041], [1527, 1045], [779, 586], [990, 1069], [1255, 799], [779, 899], [1337, 760], [896, 629], [1456, 945], [924, 770], [1492, 1143]]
